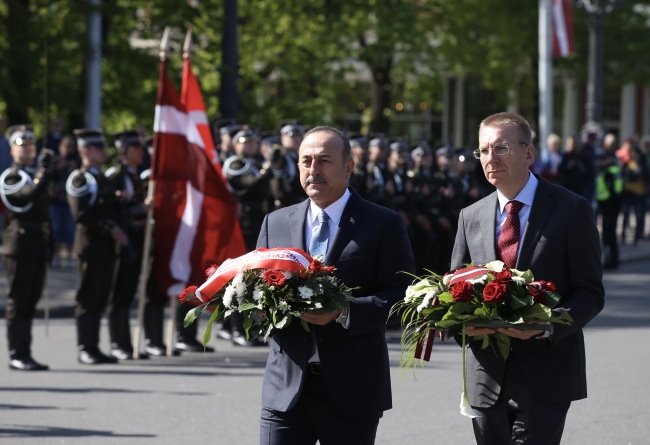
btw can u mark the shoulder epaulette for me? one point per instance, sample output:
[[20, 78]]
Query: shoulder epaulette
[[90, 187], [6, 190]]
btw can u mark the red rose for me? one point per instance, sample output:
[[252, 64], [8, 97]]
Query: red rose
[[548, 286], [315, 266], [273, 278], [494, 292], [503, 277], [211, 270], [538, 297], [462, 291], [188, 294]]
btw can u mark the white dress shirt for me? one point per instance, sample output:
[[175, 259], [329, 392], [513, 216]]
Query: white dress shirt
[[334, 212], [526, 197]]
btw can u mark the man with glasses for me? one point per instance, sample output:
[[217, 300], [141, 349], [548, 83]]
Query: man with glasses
[[529, 223]]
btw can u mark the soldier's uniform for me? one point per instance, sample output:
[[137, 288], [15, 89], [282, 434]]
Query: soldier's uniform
[[93, 205], [133, 216], [27, 245], [286, 188]]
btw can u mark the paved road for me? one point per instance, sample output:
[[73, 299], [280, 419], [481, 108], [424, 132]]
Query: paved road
[[214, 398]]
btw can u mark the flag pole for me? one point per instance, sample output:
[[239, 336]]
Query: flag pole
[[173, 303], [144, 274], [545, 72]]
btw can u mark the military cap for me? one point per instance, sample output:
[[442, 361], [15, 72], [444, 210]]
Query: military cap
[[90, 136], [421, 150], [291, 129], [271, 140], [244, 135], [125, 138], [20, 134], [398, 146], [445, 151], [463, 155], [229, 129], [354, 143], [377, 142], [220, 124]]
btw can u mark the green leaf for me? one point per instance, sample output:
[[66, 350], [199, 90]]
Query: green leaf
[[208, 328], [283, 322], [246, 306], [248, 323], [193, 314], [503, 342], [305, 325], [446, 297], [519, 302]]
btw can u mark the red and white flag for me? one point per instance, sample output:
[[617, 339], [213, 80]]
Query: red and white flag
[[192, 100], [195, 213], [562, 28]]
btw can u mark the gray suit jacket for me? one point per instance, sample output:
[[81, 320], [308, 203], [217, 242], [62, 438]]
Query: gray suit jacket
[[370, 249], [560, 244]]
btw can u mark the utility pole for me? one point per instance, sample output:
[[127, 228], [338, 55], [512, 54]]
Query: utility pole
[[229, 97], [93, 66], [596, 9], [545, 72]]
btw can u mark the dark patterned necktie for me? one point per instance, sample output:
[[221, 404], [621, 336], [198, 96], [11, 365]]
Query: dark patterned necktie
[[509, 239]]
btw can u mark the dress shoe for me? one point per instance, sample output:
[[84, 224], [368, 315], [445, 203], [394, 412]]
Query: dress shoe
[[26, 364], [224, 334], [239, 339], [93, 356], [160, 350], [125, 354], [192, 345]]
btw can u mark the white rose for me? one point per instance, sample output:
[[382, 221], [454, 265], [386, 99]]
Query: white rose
[[227, 296], [240, 289], [257, 294], [238, 279], [305, 292]]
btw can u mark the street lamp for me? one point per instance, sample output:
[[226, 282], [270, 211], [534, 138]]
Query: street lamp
[[596, 9]]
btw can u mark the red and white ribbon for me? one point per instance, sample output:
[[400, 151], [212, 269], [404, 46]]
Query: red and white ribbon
[[282, 258], [468, 273]]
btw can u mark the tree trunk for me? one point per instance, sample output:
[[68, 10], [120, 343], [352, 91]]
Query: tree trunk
[[21, 62], [381, 97]]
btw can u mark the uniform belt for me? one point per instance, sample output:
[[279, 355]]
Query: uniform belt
[[45, 225], [315, 368]]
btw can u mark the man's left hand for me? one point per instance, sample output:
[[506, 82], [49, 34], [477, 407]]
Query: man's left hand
[[321, 319]]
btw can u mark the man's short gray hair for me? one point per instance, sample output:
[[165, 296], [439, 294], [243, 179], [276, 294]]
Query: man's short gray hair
[[504, 120], [347, 149]]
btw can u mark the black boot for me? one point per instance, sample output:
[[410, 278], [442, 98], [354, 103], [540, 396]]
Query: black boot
[[88, 325], [19, 336], [186, 336], [119, 329], [154, 321]]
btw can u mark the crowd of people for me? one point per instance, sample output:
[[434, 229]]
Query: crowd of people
[[93, 206]]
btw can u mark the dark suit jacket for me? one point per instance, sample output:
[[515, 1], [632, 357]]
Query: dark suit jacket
[[369, 249], [560, 244]]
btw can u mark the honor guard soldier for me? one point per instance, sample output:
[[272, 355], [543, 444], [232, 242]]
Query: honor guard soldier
[[131, 193], [98, 239], [27, 244]]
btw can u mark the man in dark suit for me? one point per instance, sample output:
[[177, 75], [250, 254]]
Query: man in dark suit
[[529, 223], [332, 384]]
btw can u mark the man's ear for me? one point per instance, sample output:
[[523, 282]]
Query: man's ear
[[349, 167], [530, 155]]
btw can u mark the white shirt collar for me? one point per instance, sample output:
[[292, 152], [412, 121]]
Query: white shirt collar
[[525, 196], [334, 211]]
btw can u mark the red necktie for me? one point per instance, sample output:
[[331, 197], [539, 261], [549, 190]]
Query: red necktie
[[509, 239]]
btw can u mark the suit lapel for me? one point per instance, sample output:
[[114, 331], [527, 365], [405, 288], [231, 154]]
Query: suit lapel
[[543, 205], [488, 227], [297, 225], [350, 220]]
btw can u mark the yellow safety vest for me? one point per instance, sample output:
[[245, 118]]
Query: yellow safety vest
[[602, 192]]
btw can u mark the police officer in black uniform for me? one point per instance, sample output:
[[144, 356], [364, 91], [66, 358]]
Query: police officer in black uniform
[[27, 243], [131, 194], [98, 240]]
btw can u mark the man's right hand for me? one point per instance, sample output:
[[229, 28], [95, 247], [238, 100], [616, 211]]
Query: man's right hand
[[119, 236], [472, 331]]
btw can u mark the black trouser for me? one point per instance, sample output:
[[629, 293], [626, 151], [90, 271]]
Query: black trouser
[[609, 210], [25, 279], [123, 292], [95, 281], [517, 416], [315, 417]]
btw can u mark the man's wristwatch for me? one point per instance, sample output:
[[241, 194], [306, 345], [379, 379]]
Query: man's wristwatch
[[546, 335], [341, 319]]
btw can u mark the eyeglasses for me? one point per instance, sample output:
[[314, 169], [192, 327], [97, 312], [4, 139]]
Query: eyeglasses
[[498, 149]]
